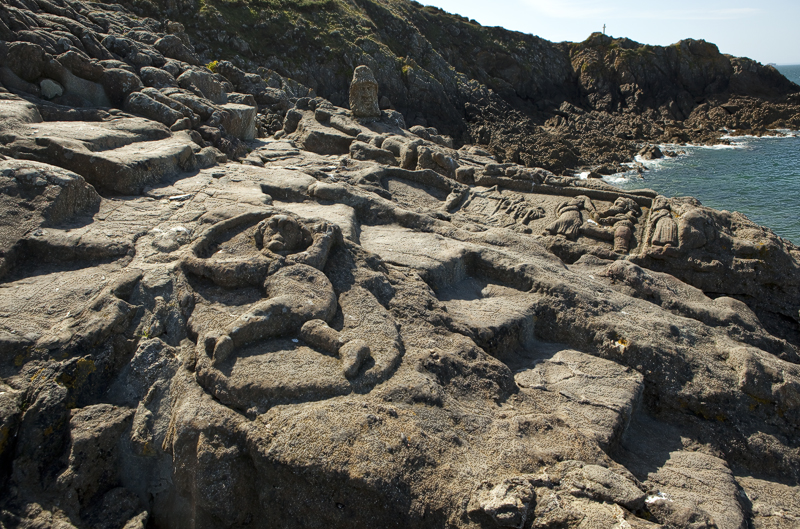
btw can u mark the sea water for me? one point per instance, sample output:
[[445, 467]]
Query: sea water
[[792, 72], [759, 177]]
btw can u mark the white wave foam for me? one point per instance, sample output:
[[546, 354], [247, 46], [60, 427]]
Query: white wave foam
[[720, 147], [779, 134], [648, 163], [623, 178], [617, 179], [655, 164]]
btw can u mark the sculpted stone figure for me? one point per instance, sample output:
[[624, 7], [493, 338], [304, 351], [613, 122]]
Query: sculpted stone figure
[[505, 208], [364, 94], [622, 216], [578, 216], [570, 219], [663, 226], [623, 233], [299, 297], [282, 233], [623, 209]]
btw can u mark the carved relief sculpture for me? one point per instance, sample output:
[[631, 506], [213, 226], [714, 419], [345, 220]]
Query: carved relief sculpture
[[570, 217], [662, 225]]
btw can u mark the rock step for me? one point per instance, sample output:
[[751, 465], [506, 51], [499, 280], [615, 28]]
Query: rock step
[[595, 395], [124, 170], [101, 136], [117, 156], [130, 168]]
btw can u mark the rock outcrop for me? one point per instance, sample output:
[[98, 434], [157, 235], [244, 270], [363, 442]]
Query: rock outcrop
[[559, 106], [228, 302]]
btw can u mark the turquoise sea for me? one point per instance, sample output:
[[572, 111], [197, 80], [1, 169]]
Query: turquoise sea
[[759, 177]]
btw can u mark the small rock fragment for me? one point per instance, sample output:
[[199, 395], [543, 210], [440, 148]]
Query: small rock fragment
[[51, 89], [181, 124]]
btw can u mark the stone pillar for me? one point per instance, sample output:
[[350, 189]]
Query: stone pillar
[[364, 94]]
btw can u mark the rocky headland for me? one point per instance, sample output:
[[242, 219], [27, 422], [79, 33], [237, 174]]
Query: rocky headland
[[326, 264]]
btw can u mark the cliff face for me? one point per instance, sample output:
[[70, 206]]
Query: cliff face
[[226, 301], [621, 75]]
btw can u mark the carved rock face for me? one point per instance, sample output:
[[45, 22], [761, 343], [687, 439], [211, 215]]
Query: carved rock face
[[622, 236], [282, 233], [364, 94]]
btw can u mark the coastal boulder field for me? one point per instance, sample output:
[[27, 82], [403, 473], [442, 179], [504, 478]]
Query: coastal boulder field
[[227, 300]]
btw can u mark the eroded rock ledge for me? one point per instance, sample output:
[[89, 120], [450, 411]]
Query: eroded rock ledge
[[357, 324]]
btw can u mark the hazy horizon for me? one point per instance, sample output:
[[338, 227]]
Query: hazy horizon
[[763, 33]]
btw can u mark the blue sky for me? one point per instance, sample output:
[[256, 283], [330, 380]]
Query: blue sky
[[766, 31]]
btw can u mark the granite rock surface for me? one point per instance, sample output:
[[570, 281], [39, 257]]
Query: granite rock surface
[[226, 302]]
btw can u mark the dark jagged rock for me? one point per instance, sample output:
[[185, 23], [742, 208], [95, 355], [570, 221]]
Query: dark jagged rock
[[408, 320]]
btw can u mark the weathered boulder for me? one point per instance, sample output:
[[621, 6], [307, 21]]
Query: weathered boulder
[[114, 63], [139, 103], [255, 85], [13, 82], [323, 141], [93, 465], [82, 92], [181, 124], [156, 77], [119, 84], [201, 107], [52, 196], [507, 504], [171, 103], [173, 47], [239, 120], [364, 151], [81, 65], [205, 82], [242, 99], [50, 89], [27, 60], [651, 152]]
